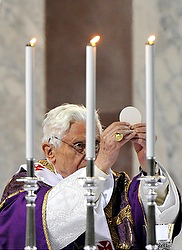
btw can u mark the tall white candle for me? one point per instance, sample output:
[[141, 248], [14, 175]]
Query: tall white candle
[[29, 86], [150, 110], [90, 97]]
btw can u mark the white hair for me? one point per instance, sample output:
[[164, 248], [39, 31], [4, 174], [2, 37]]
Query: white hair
[[58, 121]]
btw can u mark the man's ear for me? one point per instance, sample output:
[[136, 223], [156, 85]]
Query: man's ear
[[49, 151]]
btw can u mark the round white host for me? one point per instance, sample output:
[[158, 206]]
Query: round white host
[[130, 114]]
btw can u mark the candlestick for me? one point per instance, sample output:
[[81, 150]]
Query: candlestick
[[90, 97], [150, 180], [90, 184], [29, 82], [150, 124]]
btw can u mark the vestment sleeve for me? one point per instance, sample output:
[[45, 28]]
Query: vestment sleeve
[[168, 207]]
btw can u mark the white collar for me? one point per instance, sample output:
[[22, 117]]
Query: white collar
[[46, 175]]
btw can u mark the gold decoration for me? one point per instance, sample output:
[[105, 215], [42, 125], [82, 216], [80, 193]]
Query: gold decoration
[[46, 164], [11, 195], [118, 136], [44, 219]]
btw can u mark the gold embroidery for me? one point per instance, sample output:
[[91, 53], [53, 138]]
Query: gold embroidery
[[141, 204], [123, 246], [46, 164], [130, 233], [126, 186], [44, 219], [114, 236], [11, 195], [127, 182], [124, 214]]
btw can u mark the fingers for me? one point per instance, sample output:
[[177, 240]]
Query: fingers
[[110, 146], [139, 127], [121, 128], [140, 130], [141, 142], [141, 136]]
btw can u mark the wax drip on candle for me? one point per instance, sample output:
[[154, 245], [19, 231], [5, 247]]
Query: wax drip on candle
[[131, 115]]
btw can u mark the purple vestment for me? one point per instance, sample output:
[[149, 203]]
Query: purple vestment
[[13, 216], [124, 213]]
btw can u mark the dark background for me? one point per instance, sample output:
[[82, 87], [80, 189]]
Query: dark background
[[70, 24]]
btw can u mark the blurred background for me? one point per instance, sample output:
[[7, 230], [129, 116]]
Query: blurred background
[[63, 28]]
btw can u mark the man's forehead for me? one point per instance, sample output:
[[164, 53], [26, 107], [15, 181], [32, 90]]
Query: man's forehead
[[79, 129]]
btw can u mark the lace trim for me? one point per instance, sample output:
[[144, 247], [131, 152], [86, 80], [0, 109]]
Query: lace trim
[[44, 219], [66, 201]]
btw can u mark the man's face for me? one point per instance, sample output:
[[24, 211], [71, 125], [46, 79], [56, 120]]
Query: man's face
[[68, 157]]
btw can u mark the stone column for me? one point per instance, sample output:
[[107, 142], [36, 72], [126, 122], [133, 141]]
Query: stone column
[[162, 18], [19, 22]]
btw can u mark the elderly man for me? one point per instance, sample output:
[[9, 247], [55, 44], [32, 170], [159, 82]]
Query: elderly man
[[120, 204]]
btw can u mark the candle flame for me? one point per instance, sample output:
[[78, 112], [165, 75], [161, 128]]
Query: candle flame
[[151, 39], [33, 41], [94, 40]]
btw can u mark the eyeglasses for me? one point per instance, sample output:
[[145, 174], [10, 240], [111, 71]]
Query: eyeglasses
[[80, 146]]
